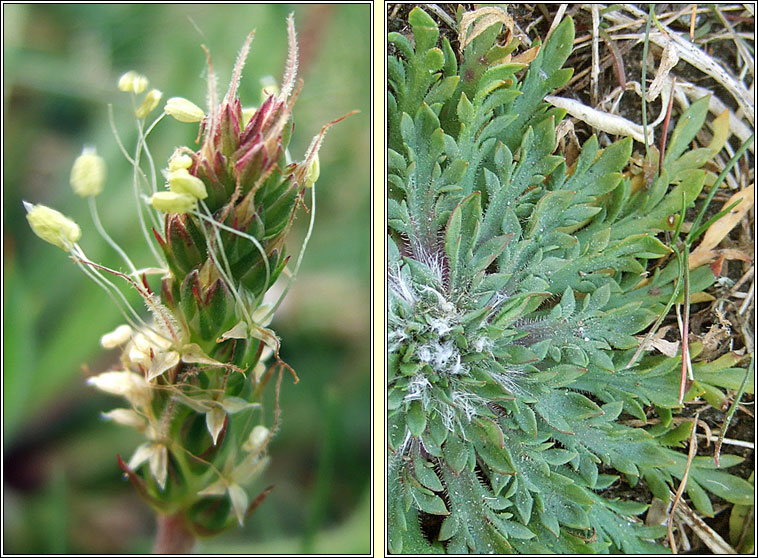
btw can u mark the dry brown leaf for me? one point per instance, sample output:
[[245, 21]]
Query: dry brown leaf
[[702, 530], [705, 252], [526, 56], [668, 348], [489, 16]]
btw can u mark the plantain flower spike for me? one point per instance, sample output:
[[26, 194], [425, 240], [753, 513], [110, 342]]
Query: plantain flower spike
[[194, 375]]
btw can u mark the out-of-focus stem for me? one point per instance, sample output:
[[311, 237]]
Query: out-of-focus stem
[[173, 536]]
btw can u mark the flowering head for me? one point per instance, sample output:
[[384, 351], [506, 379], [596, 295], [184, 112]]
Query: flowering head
[[242, 175], [193, 376], [241, 151]]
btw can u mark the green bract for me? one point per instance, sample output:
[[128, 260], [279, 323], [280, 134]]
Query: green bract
[[516, 285]]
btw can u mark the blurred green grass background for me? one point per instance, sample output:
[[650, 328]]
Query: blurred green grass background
[[62, 489]]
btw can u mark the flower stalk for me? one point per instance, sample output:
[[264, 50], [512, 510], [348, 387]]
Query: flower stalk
[[194, 374]]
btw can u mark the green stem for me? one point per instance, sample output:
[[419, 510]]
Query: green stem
[[732, 409], [643, 85]]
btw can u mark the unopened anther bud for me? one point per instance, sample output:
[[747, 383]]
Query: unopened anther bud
[[52, 226], [182, 182], [269, 87], [247, 114], [183, 110], [88, 173], [179, 161], [173, 202], [313, 172], [132, 81], [151, 101]]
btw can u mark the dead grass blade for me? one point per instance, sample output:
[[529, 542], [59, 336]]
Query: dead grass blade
[[702, 530], [694, 56], [682, 484], [603, 121]]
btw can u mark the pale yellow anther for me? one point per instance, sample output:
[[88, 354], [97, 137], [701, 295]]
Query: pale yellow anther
[[137, 356], [125, 383], [255, 441], [173, 202], [132, 81], [88, 173], [179, 161], [151, 101], [52, 226], [182, 182], [183, 110], [127, 417], [117, 337]]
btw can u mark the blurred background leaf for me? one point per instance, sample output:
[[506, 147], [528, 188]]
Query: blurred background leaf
[[63, 491]]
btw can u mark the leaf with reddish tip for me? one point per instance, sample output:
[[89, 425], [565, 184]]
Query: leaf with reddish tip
[[138, 483]]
